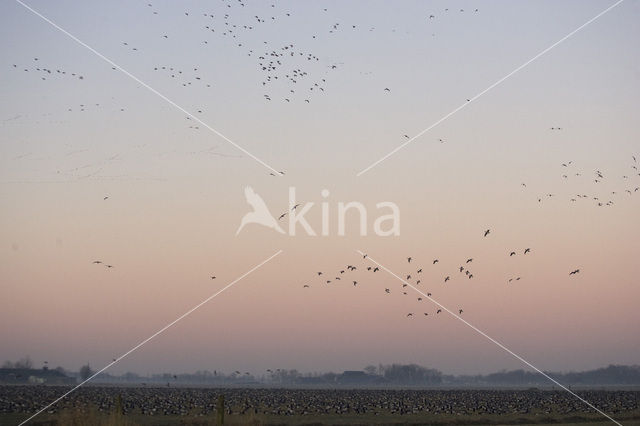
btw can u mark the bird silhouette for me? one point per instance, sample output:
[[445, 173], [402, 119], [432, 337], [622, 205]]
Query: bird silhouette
[[527, 250], [260, 213], [487, 232]]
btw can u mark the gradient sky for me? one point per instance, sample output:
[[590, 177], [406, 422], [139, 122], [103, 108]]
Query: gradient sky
[[176, 194]]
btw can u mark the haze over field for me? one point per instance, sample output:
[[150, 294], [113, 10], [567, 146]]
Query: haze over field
[[99, 168]]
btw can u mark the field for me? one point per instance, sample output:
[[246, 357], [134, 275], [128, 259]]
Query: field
[[93, 405]]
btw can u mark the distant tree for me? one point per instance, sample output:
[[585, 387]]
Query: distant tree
[[371, 370], [23, 363], [286, 376], [411, 374], [85, 372], [7, 364]]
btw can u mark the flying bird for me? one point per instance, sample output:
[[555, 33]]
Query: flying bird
[[527, 250], [487, 232]]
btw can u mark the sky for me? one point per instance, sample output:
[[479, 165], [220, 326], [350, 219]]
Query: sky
[[176, 190]]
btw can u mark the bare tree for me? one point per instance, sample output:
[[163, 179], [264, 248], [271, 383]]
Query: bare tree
[[371, 370], [85, 372], [23, 363]]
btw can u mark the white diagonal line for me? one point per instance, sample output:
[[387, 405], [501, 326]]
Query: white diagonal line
[[398, 148], [482, 333], [137, 80], [163, 329]]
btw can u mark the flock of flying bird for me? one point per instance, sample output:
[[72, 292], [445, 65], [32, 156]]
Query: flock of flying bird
[[603, 198], [302, 73], [412, 277], [283, 62], [290, 70]]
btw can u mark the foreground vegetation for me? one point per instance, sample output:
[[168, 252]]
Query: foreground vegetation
[[117, 406], [95, 418]]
